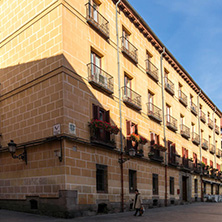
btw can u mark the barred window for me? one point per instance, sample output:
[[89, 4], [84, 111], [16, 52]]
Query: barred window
[[101, 178]]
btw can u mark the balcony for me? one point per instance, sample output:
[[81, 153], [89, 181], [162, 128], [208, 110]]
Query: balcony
[[182, 98], [186, 164], [100, 78], [193, 108], [212, 149], [152, 70], [185, 131], [204, 144], [195, 138], [155, 155], [210, 123], [217, 131], [218, 152], [197, 168], [173, 159], [95, 19], [129, 49], [154, 112], [131, 98], [202, 116], [169, 86], [171, 123]]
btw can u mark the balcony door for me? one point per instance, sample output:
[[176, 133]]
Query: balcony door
[[125, 39], [131, 128], [127, 87], [184, 188], [151, 101], [154, 139], [168, 113], [93, 10]]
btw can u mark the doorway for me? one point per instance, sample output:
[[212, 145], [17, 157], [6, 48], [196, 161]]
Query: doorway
[[184, 188]]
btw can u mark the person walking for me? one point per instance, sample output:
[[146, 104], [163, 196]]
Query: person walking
[[137, 204]]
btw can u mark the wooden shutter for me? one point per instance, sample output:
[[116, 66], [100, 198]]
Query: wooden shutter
[[152, 141], [211, 163], [95, 112], [157, 139], [173, 151], [128, 132]]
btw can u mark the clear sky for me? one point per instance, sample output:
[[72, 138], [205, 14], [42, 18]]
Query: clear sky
[[192, 31]]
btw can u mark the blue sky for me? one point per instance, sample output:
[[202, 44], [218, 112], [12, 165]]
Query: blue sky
[[192, 31]]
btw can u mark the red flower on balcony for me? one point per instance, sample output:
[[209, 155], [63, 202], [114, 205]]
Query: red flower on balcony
[[137, 138], [159, 147], [99, 124]]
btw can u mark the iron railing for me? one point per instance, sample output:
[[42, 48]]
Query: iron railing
[[202, 116], [204, 144], [182, 98], [129, 49], [193, 108], [100, 78], [131, 98], [217, 131], [212, 148], [195, 138], [171, 122], [169, 86], [184, 131], [97, 20], [154, 112], [152, 70], [210, 123]]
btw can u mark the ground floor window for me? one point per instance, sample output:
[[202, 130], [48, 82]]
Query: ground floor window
[[132, 181], [101, 178], [155, 184], [212, 189], [204, 191], [172, 185]]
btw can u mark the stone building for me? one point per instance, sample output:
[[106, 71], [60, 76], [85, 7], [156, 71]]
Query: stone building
[[66, 90]]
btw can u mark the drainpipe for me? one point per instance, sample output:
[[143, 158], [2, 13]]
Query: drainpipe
[[214, 137], [164, 124], [120, 110], [200, 145]]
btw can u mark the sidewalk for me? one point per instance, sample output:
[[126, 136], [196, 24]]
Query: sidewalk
[[198, 212]]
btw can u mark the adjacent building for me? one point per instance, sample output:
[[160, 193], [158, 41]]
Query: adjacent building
[[92, 123]]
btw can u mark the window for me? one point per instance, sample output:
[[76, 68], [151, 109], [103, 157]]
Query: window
[[94, 10], [155, 184], [132, 181], [193, 127], [154, 139], [212, 189], [168, 111], [125, 39], [95, 66], [218, 167], [204, 160], [101, 178], [171, 152], [195, 160], [191, 100], [127, 86], [181, 119], [185, 156], [180, 89], [211, 164], [205, 186], [150, 101], [131, 128], [201, 135], [217, 192], [148, 60], [172, 185], [103, 115], [209, 140], [195, 186]]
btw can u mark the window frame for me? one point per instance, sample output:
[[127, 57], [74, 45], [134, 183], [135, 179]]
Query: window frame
[[132, 180], [155, 184], [101, 170]]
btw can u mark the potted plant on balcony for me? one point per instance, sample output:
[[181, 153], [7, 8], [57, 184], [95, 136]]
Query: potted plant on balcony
[[159, 147], [135, 137], [143, 140]]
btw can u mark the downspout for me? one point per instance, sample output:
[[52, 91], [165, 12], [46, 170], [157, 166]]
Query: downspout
[[164, 124], [200, 145], [215, 165], [120, 110]]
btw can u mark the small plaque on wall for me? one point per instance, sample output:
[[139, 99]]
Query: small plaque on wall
[[72, 128], [56, 129]]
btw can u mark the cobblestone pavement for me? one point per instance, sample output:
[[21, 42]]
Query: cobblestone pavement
[[198, 212]]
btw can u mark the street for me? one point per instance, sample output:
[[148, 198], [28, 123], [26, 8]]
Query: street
[[198, 212]]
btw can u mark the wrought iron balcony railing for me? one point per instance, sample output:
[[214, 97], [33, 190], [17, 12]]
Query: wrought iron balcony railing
[[131, 98], [152, 70], [195, 138], [217, 131], [169, 86], [129, 49], [218, 152], [154, 112], [186, 164], [210, 123], [182, 98], [173, 159], [100, 78], [184, 131], [193, 108], [212, 149], [171, 123], [204, 144], [202, 116], [97, 20]]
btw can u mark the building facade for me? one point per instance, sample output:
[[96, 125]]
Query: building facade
[[78, 108]]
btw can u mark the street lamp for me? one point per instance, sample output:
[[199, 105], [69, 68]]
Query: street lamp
[[12, 149]]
